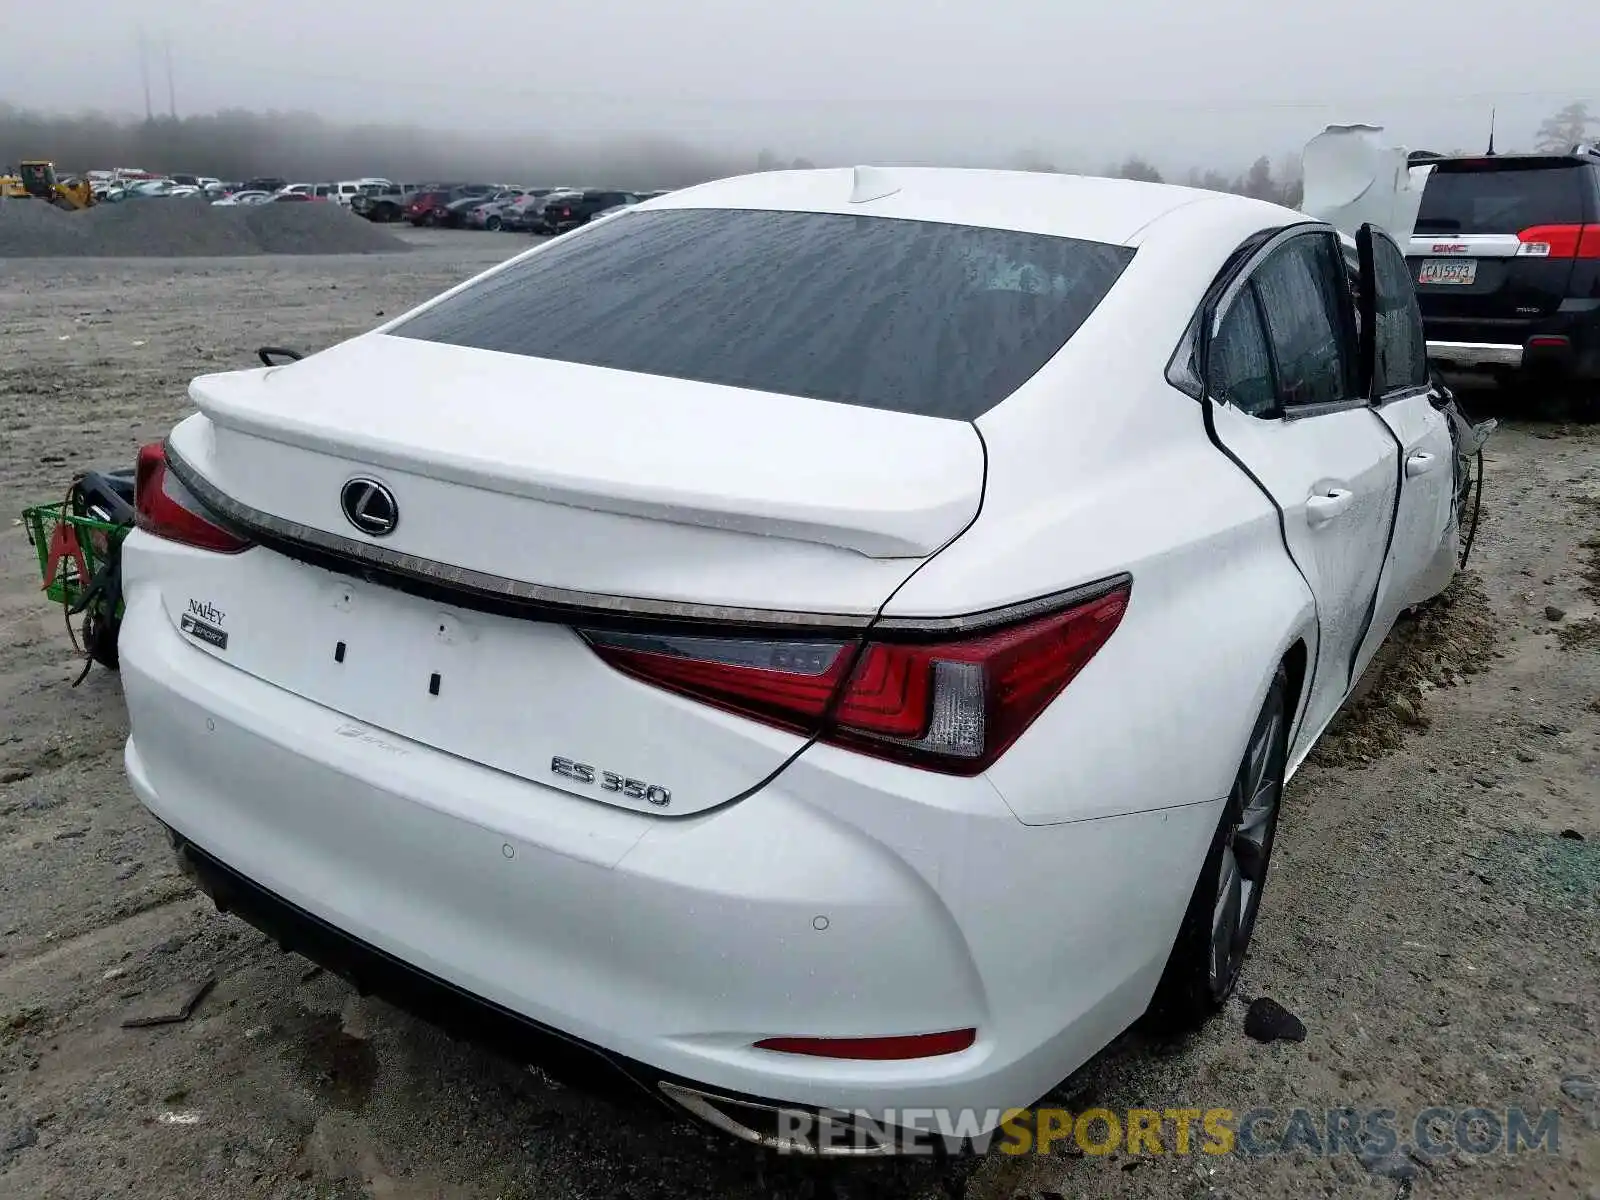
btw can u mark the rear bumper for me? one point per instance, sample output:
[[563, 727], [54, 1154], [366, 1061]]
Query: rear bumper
[[848, 898], [481, 1022], [1476, 354], [1564, 344], [372, 971]]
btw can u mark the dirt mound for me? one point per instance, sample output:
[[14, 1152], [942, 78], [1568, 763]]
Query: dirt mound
[[163, 229], [185, 228], [1436, 646], [29, 228], [314, 229]]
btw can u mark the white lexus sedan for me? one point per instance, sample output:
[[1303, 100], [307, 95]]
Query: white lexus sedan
[[827, 640]]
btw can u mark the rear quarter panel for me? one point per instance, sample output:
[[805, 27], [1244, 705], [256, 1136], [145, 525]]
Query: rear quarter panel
[[1159, 717], [1097, 466]]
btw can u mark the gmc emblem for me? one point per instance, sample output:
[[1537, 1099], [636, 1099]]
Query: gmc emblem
[[1450, 248]]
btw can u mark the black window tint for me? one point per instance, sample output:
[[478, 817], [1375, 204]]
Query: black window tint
[[1305, 295], [1500, 200], [911, 316], [1241, 365], [1402, 349]]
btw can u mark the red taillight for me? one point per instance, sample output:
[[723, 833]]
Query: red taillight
[[877, 1049], [953, 705], [1559, 241], [164, 507]]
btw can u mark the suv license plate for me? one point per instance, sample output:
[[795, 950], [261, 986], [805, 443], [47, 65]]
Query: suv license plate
[[1449, 270]]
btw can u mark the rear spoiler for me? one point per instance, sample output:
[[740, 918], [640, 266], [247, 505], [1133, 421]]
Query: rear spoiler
[[1354, 178]]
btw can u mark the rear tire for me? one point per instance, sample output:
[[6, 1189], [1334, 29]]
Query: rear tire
[[1208, 956], [493, 224], [100, 639]]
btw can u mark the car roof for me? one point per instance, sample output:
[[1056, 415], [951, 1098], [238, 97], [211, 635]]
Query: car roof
[[1578, 154], [1114, 211]]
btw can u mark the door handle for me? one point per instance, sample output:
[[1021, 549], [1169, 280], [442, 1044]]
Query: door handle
[[1420, 463], [1325, 506]]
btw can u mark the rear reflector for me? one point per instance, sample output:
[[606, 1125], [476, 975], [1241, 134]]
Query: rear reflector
[[1559, 241], [1549, 341], [165, 508], [877, 1049], [952, 705]]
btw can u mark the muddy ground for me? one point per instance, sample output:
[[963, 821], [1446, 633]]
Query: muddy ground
[[1427, 919]]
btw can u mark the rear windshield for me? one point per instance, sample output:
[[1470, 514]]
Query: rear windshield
[[910, 316], [1501, 200]]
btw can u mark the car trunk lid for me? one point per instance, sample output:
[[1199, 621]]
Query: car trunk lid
[[529, 488]]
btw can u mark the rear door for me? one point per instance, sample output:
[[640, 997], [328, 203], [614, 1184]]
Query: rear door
[[1422, 550], [1495, 242], [1284, 368]]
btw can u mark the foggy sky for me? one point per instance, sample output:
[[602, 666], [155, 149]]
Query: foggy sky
[[1078, 84]]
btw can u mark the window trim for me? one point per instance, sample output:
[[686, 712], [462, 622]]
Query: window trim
[[1243, 260], [1301, 412], [1251, 295], [1405, 391], [1227, 287], [1347, 314]]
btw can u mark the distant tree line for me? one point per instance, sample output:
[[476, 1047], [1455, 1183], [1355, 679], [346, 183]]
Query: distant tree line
[[238, 144], [1281, 185], [1261, 181]]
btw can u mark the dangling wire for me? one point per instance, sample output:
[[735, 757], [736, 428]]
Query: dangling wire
[[1477, 508]]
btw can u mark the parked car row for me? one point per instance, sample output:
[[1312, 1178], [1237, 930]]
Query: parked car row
[[487, 206], [133, 183], [545, 210]]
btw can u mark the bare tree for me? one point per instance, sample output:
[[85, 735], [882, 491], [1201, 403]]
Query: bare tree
[[1565, 129], [1258, 181], [1134, 167], [1212, 181]]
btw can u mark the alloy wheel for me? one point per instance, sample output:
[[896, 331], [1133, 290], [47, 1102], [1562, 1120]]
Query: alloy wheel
[[1246, 849]]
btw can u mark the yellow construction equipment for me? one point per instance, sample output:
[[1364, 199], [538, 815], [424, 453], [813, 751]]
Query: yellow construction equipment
[[36, 178]]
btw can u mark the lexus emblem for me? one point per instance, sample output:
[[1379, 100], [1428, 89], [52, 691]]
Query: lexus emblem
[[370, 507]]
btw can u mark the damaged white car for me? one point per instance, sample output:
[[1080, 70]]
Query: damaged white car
[[826, 640]]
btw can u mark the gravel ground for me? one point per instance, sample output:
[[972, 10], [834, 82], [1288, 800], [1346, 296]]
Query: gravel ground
[[186, 228], [1427, 919]]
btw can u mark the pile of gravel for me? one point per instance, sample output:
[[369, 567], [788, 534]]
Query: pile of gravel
[[30, 228], [162, 229], [313, 229], [185, 229]]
